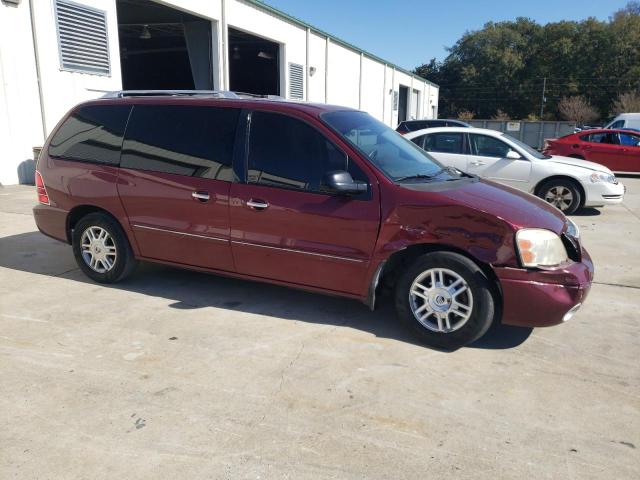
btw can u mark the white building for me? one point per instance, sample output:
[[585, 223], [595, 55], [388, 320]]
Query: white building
[[56, 53]]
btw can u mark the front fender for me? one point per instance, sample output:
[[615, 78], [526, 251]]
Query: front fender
[[482, 237]]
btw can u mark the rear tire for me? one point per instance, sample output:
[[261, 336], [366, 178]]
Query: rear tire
[[454, 304], [101, 248], [561, 193]]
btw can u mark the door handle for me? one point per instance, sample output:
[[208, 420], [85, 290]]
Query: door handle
[[201, 196], [257, 204], [477, 163]]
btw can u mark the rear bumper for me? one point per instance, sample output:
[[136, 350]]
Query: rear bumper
[[51, 221], [542, 298]]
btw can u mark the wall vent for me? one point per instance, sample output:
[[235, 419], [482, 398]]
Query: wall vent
[[296, 81], [82, 38]]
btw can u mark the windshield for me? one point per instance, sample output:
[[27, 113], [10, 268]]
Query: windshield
[[399, 158], [531, 151]]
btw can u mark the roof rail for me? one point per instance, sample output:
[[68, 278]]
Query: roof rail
[[170, 93], [258, 95]]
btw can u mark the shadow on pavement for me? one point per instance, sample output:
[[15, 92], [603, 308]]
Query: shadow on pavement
[[35, 253], [586, 212]]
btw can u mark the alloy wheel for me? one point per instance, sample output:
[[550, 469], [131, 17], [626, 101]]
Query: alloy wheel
[[441, 300], [98, 249], [560, 197]]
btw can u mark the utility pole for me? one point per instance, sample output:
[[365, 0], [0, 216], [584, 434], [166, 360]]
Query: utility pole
[[544, 98]]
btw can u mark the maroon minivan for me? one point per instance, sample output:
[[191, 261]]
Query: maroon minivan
[[316, 197]]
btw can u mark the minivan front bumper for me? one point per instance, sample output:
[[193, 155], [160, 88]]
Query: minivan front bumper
[[542, 298]]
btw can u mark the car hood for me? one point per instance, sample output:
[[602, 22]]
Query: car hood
[[519, 209], [576, 162]]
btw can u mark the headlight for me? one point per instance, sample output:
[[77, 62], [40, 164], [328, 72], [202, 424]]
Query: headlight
[[603, 177], [540, 248], [572, 229]]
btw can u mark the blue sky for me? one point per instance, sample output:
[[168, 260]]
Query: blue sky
[[411, 32]]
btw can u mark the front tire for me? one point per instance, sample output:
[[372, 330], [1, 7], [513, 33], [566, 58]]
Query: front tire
[[101, 248], [562, 194], [445, 299]]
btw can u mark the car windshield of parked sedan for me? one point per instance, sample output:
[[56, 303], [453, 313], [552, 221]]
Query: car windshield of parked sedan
[[399, 158], [531, 151]]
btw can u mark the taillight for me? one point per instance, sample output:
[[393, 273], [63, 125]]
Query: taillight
[[43, 197]]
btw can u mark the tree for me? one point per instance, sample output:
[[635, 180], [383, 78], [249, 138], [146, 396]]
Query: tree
[[577, 109], [466, 115], [503, 66], [500, 115], [632, 8], [627, 102]]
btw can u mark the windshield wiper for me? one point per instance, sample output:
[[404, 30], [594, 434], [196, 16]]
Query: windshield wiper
[[419, 176]]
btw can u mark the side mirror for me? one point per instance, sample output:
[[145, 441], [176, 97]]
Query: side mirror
[[513, 155], [342, 183]]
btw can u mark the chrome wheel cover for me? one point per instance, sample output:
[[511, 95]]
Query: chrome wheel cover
[[560, 197], [441, 300], [98, 249]]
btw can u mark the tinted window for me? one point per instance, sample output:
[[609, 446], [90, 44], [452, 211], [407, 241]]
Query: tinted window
[[629, 139], [413, 126], [183, 140], [92, 133], [486, 146], [603, 137], [419, 140], [285, 152], [454, 123], [617, 124], [444, 142]]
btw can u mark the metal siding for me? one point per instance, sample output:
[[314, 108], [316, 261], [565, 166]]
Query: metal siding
[[82, 38]]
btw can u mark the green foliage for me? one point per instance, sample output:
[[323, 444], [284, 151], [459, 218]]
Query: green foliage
[[502, 67]]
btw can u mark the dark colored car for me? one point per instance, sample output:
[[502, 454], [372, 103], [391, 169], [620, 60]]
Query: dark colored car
[[414, 125], [316, 197], [619, 150]]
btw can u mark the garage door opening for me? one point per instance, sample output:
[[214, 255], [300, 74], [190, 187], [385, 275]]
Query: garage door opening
[[254, 64], [163, 48]]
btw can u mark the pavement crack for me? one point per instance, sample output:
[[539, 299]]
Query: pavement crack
[[289, 367], [617, 285], [66, 271], [631, 211]]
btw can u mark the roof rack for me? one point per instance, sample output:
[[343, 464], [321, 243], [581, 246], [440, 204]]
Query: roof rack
[[170, 93], [258, 95]]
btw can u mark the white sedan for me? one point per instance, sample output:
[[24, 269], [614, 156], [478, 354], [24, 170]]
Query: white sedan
[[567, 183]]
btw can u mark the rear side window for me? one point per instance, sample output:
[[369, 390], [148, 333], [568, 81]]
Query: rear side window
[[603, 137], [444, 142], [92, 133], [419, 140], [414, 126], [486, 146], [183, 140], [288, 153]]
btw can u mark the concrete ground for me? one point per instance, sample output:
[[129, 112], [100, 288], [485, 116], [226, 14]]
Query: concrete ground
[[176, 374]]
